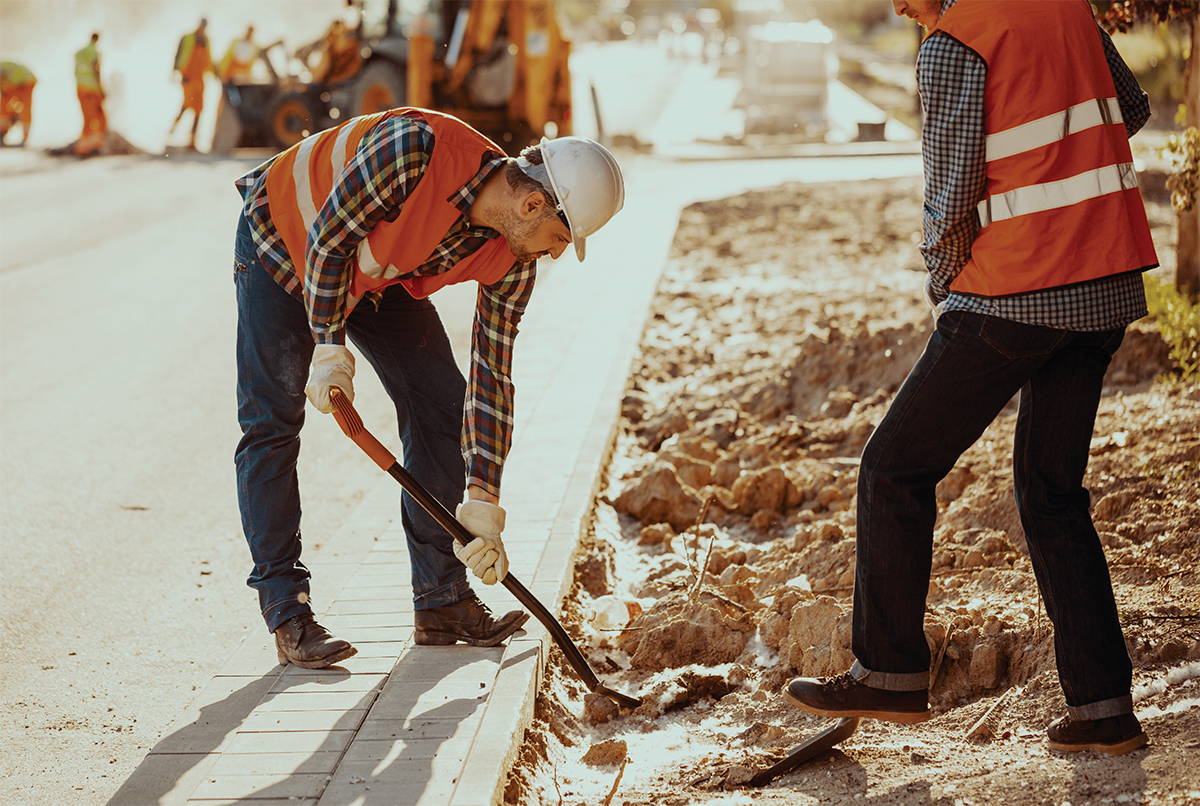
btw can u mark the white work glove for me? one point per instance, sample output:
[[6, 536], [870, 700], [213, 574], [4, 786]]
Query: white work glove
[[485, 554], [332, 365], [929, 297]]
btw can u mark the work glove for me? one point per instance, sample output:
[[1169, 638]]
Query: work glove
[[332, 365], [485, 554], [932, 300]]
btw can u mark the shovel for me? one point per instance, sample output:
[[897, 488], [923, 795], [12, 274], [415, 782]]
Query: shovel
[[352, 425], [807, 750]]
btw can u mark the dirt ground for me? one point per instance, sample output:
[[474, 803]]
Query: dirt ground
[[784, 322]]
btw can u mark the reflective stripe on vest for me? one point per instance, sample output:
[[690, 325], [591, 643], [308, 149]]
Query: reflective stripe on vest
[[1064, 193], [1043, 131]]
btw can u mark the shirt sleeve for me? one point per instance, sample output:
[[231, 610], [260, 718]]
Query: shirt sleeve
[[1133, 100], [390, 159], [951, 79], [488, 410]]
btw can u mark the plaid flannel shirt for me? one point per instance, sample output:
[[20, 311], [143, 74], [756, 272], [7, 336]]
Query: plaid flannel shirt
[[951, 78], [389, 162]]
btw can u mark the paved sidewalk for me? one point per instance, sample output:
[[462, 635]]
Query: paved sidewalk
[[404, 725]]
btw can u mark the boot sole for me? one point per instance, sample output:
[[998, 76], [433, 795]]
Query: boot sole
[[443, 638], [317, 663], [900, 717], [1108, 749]]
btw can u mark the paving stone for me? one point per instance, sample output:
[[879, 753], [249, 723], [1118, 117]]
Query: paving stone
[[296, 741], [275, 763], [253, 787]]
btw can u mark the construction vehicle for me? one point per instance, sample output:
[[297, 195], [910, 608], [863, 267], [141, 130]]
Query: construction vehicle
[[499, 65]]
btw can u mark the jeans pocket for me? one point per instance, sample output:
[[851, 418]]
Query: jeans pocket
[[1113, 340], [1018, 340]]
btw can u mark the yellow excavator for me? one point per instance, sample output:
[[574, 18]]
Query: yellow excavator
[[500, 65]]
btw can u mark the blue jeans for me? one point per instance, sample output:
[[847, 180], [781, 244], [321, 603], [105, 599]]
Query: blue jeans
[[405, 343], [971, 367]]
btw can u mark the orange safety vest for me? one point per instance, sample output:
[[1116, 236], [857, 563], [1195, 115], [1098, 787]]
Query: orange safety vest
[[192, 59], [1062, 204], [301, 178]]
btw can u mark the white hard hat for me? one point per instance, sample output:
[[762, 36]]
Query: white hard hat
[[587, 181]]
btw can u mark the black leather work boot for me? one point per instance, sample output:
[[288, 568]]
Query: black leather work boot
[[1114, 735], [305, 643], [469, 621], [843, 696]]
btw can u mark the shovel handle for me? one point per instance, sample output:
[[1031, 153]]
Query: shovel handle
[[352, 425]]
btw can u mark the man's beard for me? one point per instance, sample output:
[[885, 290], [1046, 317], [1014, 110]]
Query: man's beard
[[518, 233]]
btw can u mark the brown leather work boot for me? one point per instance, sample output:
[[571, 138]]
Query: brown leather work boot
[[1113, 736], [305, 643], [843, 696], [469, 621]]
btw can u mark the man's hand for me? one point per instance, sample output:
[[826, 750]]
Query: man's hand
[[931, 298], [332, 365], [485, 554]]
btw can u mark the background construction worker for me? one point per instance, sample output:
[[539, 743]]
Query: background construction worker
[[236, 64], [16, 99], [347, 234], [91, 99], [192, 61], [1035, 237]]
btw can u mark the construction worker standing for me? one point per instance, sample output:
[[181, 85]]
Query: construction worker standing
[[346, 235], [1035, 238], [237, 62], [91, 99], [192, 61], [16, 99]]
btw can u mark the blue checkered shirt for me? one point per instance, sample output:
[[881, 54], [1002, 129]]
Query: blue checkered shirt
[[951, 78]]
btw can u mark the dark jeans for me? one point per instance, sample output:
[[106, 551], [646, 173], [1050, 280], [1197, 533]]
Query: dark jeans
[[971, 367], [406, 344]]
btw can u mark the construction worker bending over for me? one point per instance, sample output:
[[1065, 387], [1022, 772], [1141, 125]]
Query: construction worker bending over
[[192, 61], [91, 99], [1035, 238], [236, 65], [16, 99], [346, 235]]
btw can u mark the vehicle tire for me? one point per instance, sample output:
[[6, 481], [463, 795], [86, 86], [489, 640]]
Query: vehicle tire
[[380, 86], [292, 119]]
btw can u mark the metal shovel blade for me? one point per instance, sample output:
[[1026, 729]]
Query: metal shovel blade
[[807, 750]]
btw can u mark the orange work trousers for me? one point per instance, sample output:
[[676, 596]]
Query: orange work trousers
[[16, 106], [193, 94], [95, 124]]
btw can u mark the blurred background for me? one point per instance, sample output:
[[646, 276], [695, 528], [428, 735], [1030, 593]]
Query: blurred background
[[796, 69]]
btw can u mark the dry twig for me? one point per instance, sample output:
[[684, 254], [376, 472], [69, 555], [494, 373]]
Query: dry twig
[[695, 530], [613, 791], [985, 727], [937, 664], [703, 570]]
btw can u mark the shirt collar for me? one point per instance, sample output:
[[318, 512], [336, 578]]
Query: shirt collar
[[464, 198]]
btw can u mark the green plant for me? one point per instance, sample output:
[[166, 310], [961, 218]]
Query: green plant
[[1184, 181], [1178, 320]]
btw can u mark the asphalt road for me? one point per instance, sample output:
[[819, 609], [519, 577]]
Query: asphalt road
[[123, 561]]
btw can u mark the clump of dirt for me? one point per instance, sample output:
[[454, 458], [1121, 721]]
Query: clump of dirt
[[114, 145], [785, 321]]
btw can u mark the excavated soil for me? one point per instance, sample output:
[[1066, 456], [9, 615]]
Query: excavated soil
[[784, 323]]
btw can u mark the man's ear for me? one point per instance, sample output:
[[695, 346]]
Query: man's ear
[[532, 204]]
